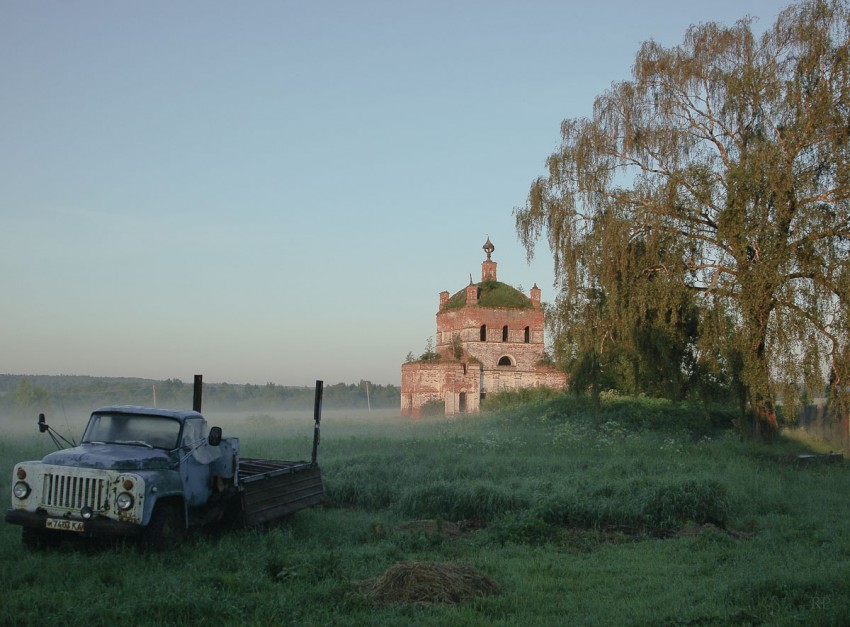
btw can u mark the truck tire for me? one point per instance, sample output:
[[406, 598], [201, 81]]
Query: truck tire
[[165, 530], [232, 517]]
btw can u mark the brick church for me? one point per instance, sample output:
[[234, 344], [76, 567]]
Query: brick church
[[489, 338]]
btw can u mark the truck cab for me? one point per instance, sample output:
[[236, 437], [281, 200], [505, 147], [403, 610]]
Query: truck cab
[[151, 473], [138, 472]]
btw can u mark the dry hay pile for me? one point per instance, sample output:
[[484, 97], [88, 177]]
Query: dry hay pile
[[429, 582]]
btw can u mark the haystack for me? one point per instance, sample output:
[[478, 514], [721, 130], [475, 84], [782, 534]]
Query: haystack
[[429, 582]]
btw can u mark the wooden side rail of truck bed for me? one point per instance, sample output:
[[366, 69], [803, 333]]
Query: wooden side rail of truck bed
[[273, 489]]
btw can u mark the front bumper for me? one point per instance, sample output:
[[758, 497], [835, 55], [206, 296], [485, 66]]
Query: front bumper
[[92, 528]]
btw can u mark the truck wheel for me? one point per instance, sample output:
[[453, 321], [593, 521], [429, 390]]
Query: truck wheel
[[232, 516], [35, 539], [165, 530]]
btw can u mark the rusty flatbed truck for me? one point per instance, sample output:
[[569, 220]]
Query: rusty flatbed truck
[[152, 473]]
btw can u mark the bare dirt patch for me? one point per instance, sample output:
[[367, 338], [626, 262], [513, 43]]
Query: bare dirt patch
[[442, 528]]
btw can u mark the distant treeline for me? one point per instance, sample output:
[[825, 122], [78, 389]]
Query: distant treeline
[[22, 393]]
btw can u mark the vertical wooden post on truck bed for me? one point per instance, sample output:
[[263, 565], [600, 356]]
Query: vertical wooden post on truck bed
[[199, 386], [317, 417]]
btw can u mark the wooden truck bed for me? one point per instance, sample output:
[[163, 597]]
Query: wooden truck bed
[[273, 488]]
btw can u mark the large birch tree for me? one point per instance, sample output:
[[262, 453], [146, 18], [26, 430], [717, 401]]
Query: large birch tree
[[717, 177]]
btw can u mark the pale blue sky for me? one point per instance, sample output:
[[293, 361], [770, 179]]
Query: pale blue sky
[[278, 191]]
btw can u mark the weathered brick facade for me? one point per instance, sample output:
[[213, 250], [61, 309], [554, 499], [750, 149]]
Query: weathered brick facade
[[489, 338]]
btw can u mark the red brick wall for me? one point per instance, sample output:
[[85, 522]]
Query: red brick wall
[[467, 324], [423, 381], [459, 382]]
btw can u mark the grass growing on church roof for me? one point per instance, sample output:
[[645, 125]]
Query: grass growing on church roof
[[492, 294]]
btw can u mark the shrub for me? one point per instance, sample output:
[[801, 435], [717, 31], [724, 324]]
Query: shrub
[[433, 408], [459, 501], [365, 482], [635, 507], [632, 412], [519, 397], [674, 505]]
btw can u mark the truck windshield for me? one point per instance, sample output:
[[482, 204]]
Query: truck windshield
[[151, 431]]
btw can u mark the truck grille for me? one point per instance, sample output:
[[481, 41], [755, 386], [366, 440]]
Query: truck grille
[[75, 492]]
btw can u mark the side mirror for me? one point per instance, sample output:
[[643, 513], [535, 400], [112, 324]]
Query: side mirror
[[42, 426], [214, 437]]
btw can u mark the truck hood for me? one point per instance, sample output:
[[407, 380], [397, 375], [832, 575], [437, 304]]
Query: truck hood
[[125, 457]]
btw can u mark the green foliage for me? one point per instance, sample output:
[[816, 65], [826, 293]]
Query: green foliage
[[366, 482], [429, 354], [433, 408], [42, 393], [611, 408], [699, 223], [520, 396], [632, 506], [673, 505], [451, 500], [620, 515], [492, 294]]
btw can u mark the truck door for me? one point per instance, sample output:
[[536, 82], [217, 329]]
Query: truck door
[[196, 456]]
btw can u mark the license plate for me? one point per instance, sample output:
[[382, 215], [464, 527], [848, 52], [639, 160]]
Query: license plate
[[65, 525]]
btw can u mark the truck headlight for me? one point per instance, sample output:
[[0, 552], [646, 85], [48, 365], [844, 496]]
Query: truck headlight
[[124, 501], [21, 490]]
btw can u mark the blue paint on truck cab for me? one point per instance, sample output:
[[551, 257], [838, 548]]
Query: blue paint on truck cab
[[151, 473], [131, 462]]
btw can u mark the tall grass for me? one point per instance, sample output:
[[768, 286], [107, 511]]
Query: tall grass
[[635, 512]]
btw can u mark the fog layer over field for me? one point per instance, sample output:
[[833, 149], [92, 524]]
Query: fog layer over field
[[251, 428]]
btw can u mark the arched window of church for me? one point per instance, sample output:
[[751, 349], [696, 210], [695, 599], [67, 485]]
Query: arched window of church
[[483, 333], [527, 335], [505, 361], [505, 333]]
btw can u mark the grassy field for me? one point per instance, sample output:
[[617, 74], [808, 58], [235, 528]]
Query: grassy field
[[645, 513]]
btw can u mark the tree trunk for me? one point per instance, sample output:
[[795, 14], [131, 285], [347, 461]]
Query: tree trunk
[[756, 374], [765, 424]]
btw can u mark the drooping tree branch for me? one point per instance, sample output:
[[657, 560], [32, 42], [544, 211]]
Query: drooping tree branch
[[720, 169]]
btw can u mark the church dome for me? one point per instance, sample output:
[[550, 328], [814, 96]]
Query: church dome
[[492, 294]]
